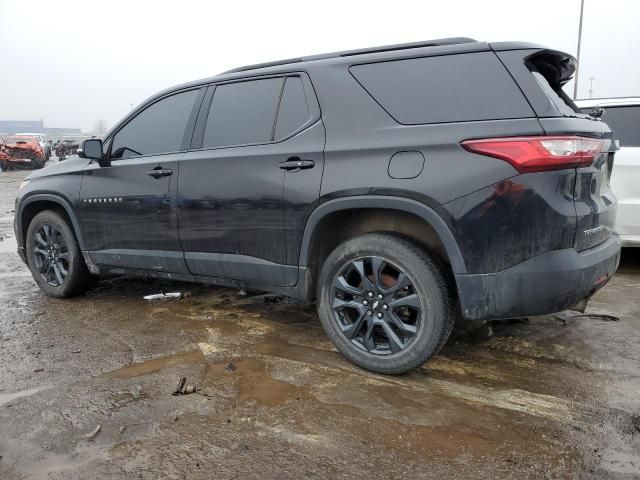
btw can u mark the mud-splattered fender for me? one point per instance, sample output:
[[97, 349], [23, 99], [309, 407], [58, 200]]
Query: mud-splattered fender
[[46, 197], [384, 202]]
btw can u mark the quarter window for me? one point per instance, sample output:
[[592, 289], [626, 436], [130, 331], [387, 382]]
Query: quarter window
[[294, 109], [449, 88], [159, 128], [242, 113]]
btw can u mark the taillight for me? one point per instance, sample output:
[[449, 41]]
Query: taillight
[[537, 154]]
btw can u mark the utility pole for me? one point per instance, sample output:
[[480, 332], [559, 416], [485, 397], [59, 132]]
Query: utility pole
[[575, 84], [591, 79]]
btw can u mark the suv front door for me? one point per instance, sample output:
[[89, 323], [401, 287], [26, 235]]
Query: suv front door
[[232, 200], [128, 210]]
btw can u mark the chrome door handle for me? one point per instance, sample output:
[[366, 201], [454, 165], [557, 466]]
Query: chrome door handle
[[160, 172]]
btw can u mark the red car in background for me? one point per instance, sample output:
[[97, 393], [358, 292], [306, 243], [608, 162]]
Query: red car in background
[[21, 152]]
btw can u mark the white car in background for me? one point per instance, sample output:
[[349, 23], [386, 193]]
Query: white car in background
[[623, 117]]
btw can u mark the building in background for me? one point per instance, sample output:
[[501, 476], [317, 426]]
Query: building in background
[[33, 126]]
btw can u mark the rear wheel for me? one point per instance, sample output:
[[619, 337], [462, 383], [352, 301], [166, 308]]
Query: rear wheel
[[384, 303], [54, 257]]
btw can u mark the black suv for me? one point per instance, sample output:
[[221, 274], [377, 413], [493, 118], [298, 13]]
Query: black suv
[[398, 187]]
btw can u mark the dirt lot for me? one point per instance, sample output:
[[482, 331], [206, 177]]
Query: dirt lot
[[540, 399]]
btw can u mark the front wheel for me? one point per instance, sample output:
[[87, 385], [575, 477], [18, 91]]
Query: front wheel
[[4, 166], [384, 303], [54, 257]]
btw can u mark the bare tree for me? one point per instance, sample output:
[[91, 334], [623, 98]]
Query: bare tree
[[100, 127]]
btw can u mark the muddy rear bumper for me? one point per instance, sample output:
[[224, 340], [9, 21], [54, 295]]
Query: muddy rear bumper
[[547, 283]]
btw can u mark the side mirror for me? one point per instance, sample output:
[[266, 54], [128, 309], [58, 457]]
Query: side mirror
[[92, 149]]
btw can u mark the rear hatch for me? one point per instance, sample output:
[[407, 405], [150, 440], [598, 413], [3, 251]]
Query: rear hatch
[[595, 204]]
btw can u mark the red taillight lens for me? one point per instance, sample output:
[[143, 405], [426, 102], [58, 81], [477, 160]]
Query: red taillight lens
[[538, 154]]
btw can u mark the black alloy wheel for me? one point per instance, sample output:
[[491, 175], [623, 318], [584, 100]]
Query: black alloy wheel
[[54, 256], [376, 306], [51, 255], [384, 302]]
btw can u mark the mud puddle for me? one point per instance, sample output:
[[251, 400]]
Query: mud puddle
[[156, 364], [253, 382]]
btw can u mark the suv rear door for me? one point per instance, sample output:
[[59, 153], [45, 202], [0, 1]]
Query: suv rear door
[[128, 210], [232, 183], [541, 75]]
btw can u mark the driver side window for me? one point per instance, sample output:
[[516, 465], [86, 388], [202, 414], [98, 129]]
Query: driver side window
[[158, 129]]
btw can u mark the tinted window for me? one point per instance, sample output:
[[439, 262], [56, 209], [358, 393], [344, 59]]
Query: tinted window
[[554, 92], [294, 110], [625, 123], [158, 129], [451, 88], [242, 113]]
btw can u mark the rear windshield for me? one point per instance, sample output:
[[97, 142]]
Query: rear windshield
[[624, 122], [449, 88], [552, 72]]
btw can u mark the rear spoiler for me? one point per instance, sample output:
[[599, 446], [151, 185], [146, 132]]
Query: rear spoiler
[[556, 67]]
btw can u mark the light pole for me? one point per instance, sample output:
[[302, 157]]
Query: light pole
[[591, 79], [575, 84]]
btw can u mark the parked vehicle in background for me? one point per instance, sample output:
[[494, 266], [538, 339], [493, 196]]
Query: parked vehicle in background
[[22, 152], [68, 145], [3, 157], [396, 187], [65, 148], [42, 140], [623, 117]]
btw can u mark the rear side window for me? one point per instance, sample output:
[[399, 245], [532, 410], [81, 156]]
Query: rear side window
[[451, 88], [555, 93], [158, 129], [552, 71], [625, 124], [294, 109], [242, 113]]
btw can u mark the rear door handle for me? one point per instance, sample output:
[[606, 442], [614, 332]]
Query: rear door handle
[[296, 163], [160, 172]]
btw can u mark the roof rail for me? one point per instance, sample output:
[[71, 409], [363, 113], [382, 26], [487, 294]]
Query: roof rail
[[362, 51]]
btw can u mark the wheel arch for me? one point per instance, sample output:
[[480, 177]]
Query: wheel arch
[[330, 224], [34, 204]]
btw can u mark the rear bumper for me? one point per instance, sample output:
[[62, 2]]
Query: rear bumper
[[544, 284]]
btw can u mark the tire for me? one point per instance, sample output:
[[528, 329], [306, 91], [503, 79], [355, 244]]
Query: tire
[[426, 323], [4, 166], [69, 258]]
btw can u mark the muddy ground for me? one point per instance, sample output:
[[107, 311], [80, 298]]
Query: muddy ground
[[543, 399]]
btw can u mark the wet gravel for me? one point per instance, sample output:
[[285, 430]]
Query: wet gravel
[[542, 399]]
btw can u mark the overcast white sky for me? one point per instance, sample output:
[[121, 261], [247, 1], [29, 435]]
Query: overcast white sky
[[73, 62]]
